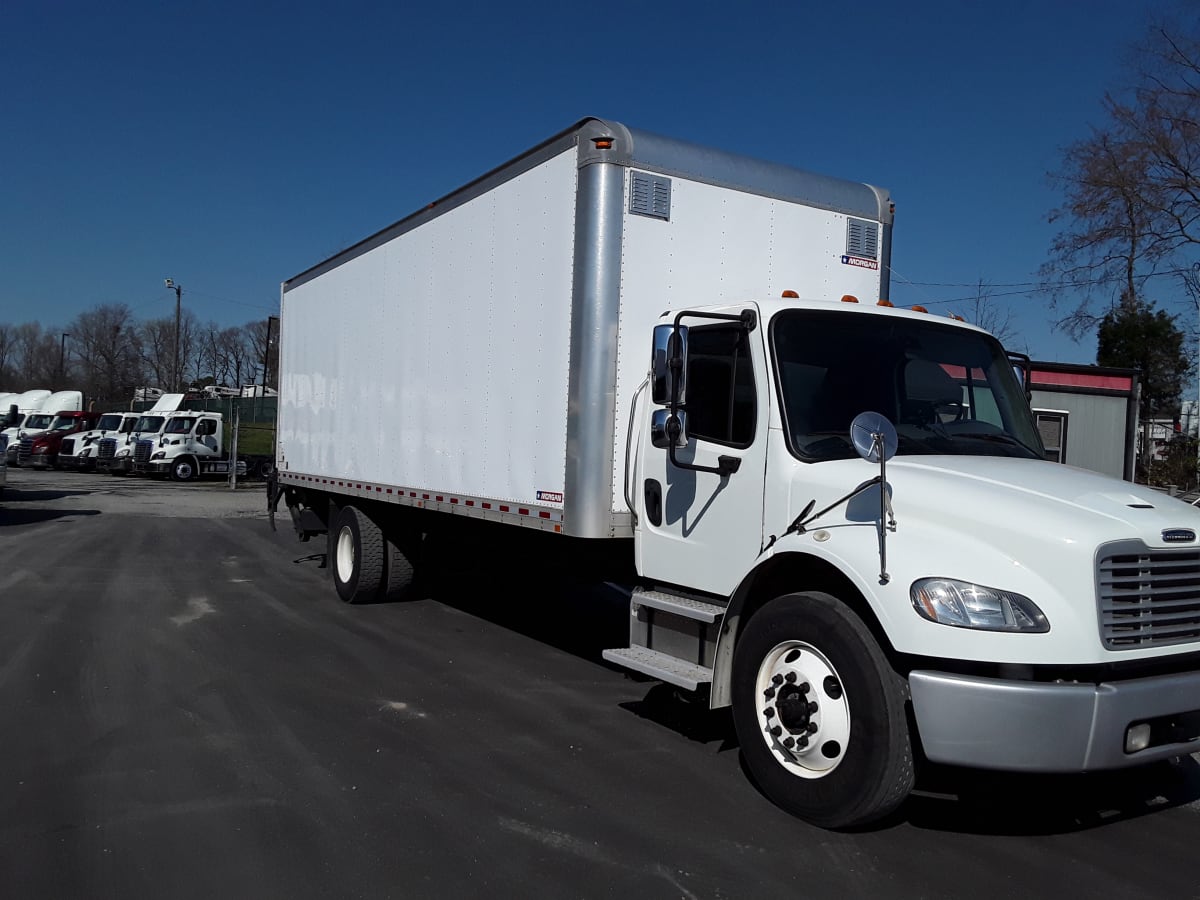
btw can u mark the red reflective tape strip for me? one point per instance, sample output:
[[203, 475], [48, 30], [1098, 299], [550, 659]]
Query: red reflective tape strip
[[503, 508], [453, 499], [470, 503], [523, 512], [544, 515], [486, 505]]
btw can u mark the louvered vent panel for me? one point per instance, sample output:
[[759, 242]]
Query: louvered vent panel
[[650, 195], [862, 238]]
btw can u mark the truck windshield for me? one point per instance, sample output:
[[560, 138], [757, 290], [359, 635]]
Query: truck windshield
[[108, 423], [149, 423], [179, 426], [39, 421], [948, 390], [63, 423]]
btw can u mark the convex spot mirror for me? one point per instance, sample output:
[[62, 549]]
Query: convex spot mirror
[[660, 428], [863, 430]]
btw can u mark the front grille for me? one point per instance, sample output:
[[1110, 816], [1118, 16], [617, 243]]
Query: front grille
[[141, 451], [67, 447], [24, 449], [106, 448], [1148, 598]]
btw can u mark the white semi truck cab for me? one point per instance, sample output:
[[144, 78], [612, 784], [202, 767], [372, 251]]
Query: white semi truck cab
[[189, 447], [80, 451]]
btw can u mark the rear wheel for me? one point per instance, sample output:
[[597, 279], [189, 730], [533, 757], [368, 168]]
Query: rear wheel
[[358, 550], [400, 574], [820, 714]]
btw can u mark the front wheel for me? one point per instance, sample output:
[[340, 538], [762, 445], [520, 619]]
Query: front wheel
[[820, 714], [184, 469]]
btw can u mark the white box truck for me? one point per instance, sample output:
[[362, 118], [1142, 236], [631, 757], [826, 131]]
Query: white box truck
[[839, 514]]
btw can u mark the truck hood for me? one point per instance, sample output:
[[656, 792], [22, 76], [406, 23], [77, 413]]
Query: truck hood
[[1044, 495]]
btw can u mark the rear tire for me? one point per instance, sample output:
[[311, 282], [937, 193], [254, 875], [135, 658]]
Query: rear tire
[[357, 551], [846, 762]]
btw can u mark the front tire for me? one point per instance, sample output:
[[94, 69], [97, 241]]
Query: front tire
[[820, 714], [357, 549], [184, 469]]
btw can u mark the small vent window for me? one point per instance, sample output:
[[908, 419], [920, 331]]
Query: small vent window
[[650, 195], [862, 238]]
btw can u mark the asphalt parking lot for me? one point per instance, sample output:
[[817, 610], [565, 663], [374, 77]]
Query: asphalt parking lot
[[188, 711]]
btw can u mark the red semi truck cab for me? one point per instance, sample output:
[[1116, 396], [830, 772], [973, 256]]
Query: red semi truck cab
[[40, 450]]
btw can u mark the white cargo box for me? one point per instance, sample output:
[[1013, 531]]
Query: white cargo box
[[481, 356]]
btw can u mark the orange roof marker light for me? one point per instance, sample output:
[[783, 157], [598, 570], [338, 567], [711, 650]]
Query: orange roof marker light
[[603, 143], [790, 295], [883, 302], [956, 318], [918, 309], [849, 298]]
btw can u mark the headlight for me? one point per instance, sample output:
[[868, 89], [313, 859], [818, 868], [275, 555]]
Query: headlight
[[966, 605], [159, 455], [87, 451], [123, 452]]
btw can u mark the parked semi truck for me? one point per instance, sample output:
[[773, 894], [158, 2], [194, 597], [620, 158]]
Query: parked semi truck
[[838, 513], [79, 451], [190, 446], [114, 452], [38, 421], [41, 450]]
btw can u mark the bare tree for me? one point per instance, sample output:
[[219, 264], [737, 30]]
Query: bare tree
[[1132, 188], [107, 349], [263, 337], [35, 356], [6, 350], [990, 316]]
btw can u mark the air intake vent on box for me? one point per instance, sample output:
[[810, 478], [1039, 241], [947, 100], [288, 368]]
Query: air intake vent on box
[[862, 238], [650, 195]]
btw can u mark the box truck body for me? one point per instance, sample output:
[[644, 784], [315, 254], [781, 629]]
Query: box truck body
[[679, 355]]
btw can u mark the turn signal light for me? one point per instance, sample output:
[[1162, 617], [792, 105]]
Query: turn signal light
[[849, 298], [790, 295]]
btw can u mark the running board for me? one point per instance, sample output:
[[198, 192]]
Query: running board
[[661, 666]]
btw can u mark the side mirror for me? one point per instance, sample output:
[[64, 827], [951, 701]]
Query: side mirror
[[662, 424], [668, 363], [11, 417]]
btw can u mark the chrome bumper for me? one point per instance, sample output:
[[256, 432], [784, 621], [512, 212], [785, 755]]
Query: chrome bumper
[[1051, 727]]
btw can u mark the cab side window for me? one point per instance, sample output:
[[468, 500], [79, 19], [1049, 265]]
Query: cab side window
[[721, 405]]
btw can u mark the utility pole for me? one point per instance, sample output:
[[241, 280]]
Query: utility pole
[[62, 347], [171, 285]]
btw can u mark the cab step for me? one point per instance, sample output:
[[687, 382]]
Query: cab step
[[661, 666], [672, 637]]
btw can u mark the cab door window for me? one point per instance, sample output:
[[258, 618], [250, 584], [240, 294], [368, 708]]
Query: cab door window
[[721, 399]]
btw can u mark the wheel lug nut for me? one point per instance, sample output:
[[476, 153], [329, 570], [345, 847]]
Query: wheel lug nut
[[769, 693], [769, 713], [789, 743], [776, 731], [803, 742], [812, 708], [777, 679], [804, 687], [812, 727], [790, 677]]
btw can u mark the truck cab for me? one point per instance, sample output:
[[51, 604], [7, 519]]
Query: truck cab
[[41, 451], [79, 451], [40, 420], [189, 447]]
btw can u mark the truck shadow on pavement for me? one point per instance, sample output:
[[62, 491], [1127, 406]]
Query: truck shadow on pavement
[[33, 516], [993, 803]]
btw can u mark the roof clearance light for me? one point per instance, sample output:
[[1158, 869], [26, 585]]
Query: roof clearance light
[[603, 143], [957, 318], [790, 295], [918, 309], [849, 298], [883, 302]]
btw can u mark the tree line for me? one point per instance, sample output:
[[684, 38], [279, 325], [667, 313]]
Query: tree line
[[108, 354]]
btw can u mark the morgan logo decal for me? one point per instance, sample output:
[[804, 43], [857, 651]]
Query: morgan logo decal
[[1178, 536], [550, 496], [860, 262]]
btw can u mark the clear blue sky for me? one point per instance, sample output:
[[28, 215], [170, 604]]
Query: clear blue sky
[[232, 145]]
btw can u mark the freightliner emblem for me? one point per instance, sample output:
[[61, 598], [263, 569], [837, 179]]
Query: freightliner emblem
[[1178, 535]]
